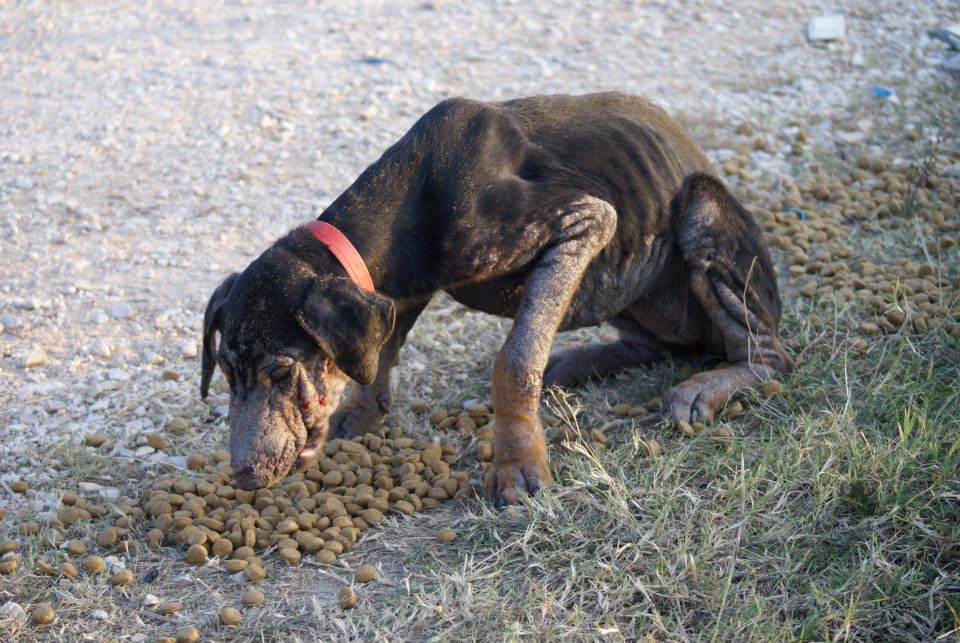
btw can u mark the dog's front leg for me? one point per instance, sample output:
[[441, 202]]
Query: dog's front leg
[[365, 406], [520, 465]]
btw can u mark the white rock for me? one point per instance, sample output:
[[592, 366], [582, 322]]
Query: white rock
[[89, 487], [12, 610], [36, 357], [99, 615], [150, 600], [100, 347], [826, 28], [142, 451], [118, 375], [138, 637], [23, 183], [188, 348], [114, 562], [10, 321], [122, 311], [221, 410]]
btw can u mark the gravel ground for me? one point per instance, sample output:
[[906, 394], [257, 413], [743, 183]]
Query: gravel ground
[[147, 149]]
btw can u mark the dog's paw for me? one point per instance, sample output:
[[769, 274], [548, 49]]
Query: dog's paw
[[563, 370], [506, 482], [694, 400], [356, 419]]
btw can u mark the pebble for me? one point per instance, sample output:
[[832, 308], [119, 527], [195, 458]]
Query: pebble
[[188, 348], [122, 311], [36, 357], [12, 610]]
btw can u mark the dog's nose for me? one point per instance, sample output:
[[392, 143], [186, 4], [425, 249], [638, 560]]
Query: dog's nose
[[246, 478]]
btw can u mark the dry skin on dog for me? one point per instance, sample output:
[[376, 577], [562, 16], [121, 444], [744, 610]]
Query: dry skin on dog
[[558, 211]]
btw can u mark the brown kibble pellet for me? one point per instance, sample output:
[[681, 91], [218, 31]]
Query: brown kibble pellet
[[94, 440], [365, 573], [222, 548], [230, 616], [686, 428], [107, 538], [252, 597], [438, 416], [19, 486], [45, 568], [347, 598], [9, 564], [43, 614], [168, 607], [651, 448], [188, 634], [196, 461], [179, 425], [446, 536], [771, 388], [419, 406], [93, 564], [722, 432], [598, 436], [68, 569], [290, 555], [8, 546], [235, 565], [197, 555], [326, 557], [254, 573], [621, 410], [170, 374], [122, 578], [76, 548], [733, 410], [157, 440]]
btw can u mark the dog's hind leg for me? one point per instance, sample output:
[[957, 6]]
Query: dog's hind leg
[[732, 277], [520, 465], [577, 364]]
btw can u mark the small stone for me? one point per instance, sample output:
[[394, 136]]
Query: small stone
[[230, 616], [365, 574], [122, 311], [252, 597], [446, 536], [188, 348], [11, 610], [43, 614], [36, 357], [824, 28], [347, 598]]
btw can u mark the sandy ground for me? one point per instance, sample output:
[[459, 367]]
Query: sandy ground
[[149, 149]]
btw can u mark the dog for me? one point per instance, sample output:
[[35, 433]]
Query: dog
[[560, 212]]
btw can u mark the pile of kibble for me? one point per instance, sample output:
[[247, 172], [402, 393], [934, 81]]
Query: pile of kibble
[[317, 514], [814, 220]]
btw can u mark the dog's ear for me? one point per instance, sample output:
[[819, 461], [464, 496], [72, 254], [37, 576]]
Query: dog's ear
[[211, 326], [349, 324]]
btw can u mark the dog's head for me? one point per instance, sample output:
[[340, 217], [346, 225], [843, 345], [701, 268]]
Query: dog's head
[[290, 335]]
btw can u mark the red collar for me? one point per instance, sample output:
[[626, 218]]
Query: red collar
[[344, 251]]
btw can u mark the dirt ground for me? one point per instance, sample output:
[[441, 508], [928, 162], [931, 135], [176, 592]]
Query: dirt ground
[[147, 150]]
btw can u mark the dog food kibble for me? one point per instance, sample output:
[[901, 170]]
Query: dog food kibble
[[722, 432], [290, 555], [326, 557], [94, 440], [122, 578], [652, 448], [733, 410], [93, 564], [446, 536], [19, 486], [771, 389], [365, 573], [347, 598], [252, 597], [45, 568], [9, 564], [8, 546], [68, 569], [188, 634], [107, 538], [196, 461], [43, 614], [621, 410], [254, 573], [157, 441], [685, 428], [76, 548], [197, 555], [419, 406], [230, 616], [178, 425], [168, 607], [29, 528]]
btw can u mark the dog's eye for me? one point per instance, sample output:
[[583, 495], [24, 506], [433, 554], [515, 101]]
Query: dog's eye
[[282, 367]]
